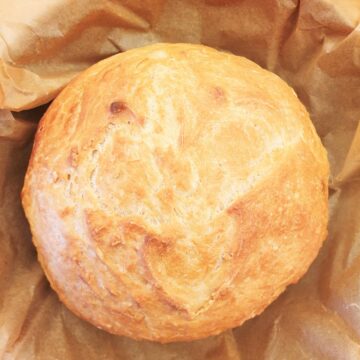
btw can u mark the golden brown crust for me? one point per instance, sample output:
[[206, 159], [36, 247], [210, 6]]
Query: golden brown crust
[[175, 191]]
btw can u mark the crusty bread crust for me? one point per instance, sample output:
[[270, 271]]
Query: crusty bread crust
[[174, 191]]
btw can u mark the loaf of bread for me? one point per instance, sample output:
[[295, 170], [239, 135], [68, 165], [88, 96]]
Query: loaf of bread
[[174, 191]]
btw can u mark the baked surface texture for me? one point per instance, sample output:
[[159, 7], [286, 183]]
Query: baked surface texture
[[174, 191]]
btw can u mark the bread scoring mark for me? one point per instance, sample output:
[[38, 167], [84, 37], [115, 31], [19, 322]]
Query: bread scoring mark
[[121, 108], [174, 255], [163, 247], [131, 254]]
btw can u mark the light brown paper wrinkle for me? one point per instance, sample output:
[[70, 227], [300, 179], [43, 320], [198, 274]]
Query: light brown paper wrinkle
[[313, 44], [351, 168], [340, 287], [43, 46]]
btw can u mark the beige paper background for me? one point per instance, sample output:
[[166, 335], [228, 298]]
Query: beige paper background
[[313, 44]]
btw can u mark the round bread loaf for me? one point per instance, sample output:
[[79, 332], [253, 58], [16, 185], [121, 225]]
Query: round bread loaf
[[174, 191]]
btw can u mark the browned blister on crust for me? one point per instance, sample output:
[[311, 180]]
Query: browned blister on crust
[[174, 191]]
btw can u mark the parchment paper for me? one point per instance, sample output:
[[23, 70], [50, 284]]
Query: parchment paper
[[313, 44]]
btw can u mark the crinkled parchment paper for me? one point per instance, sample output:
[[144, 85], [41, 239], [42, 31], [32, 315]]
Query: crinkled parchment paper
[[313, 44]]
